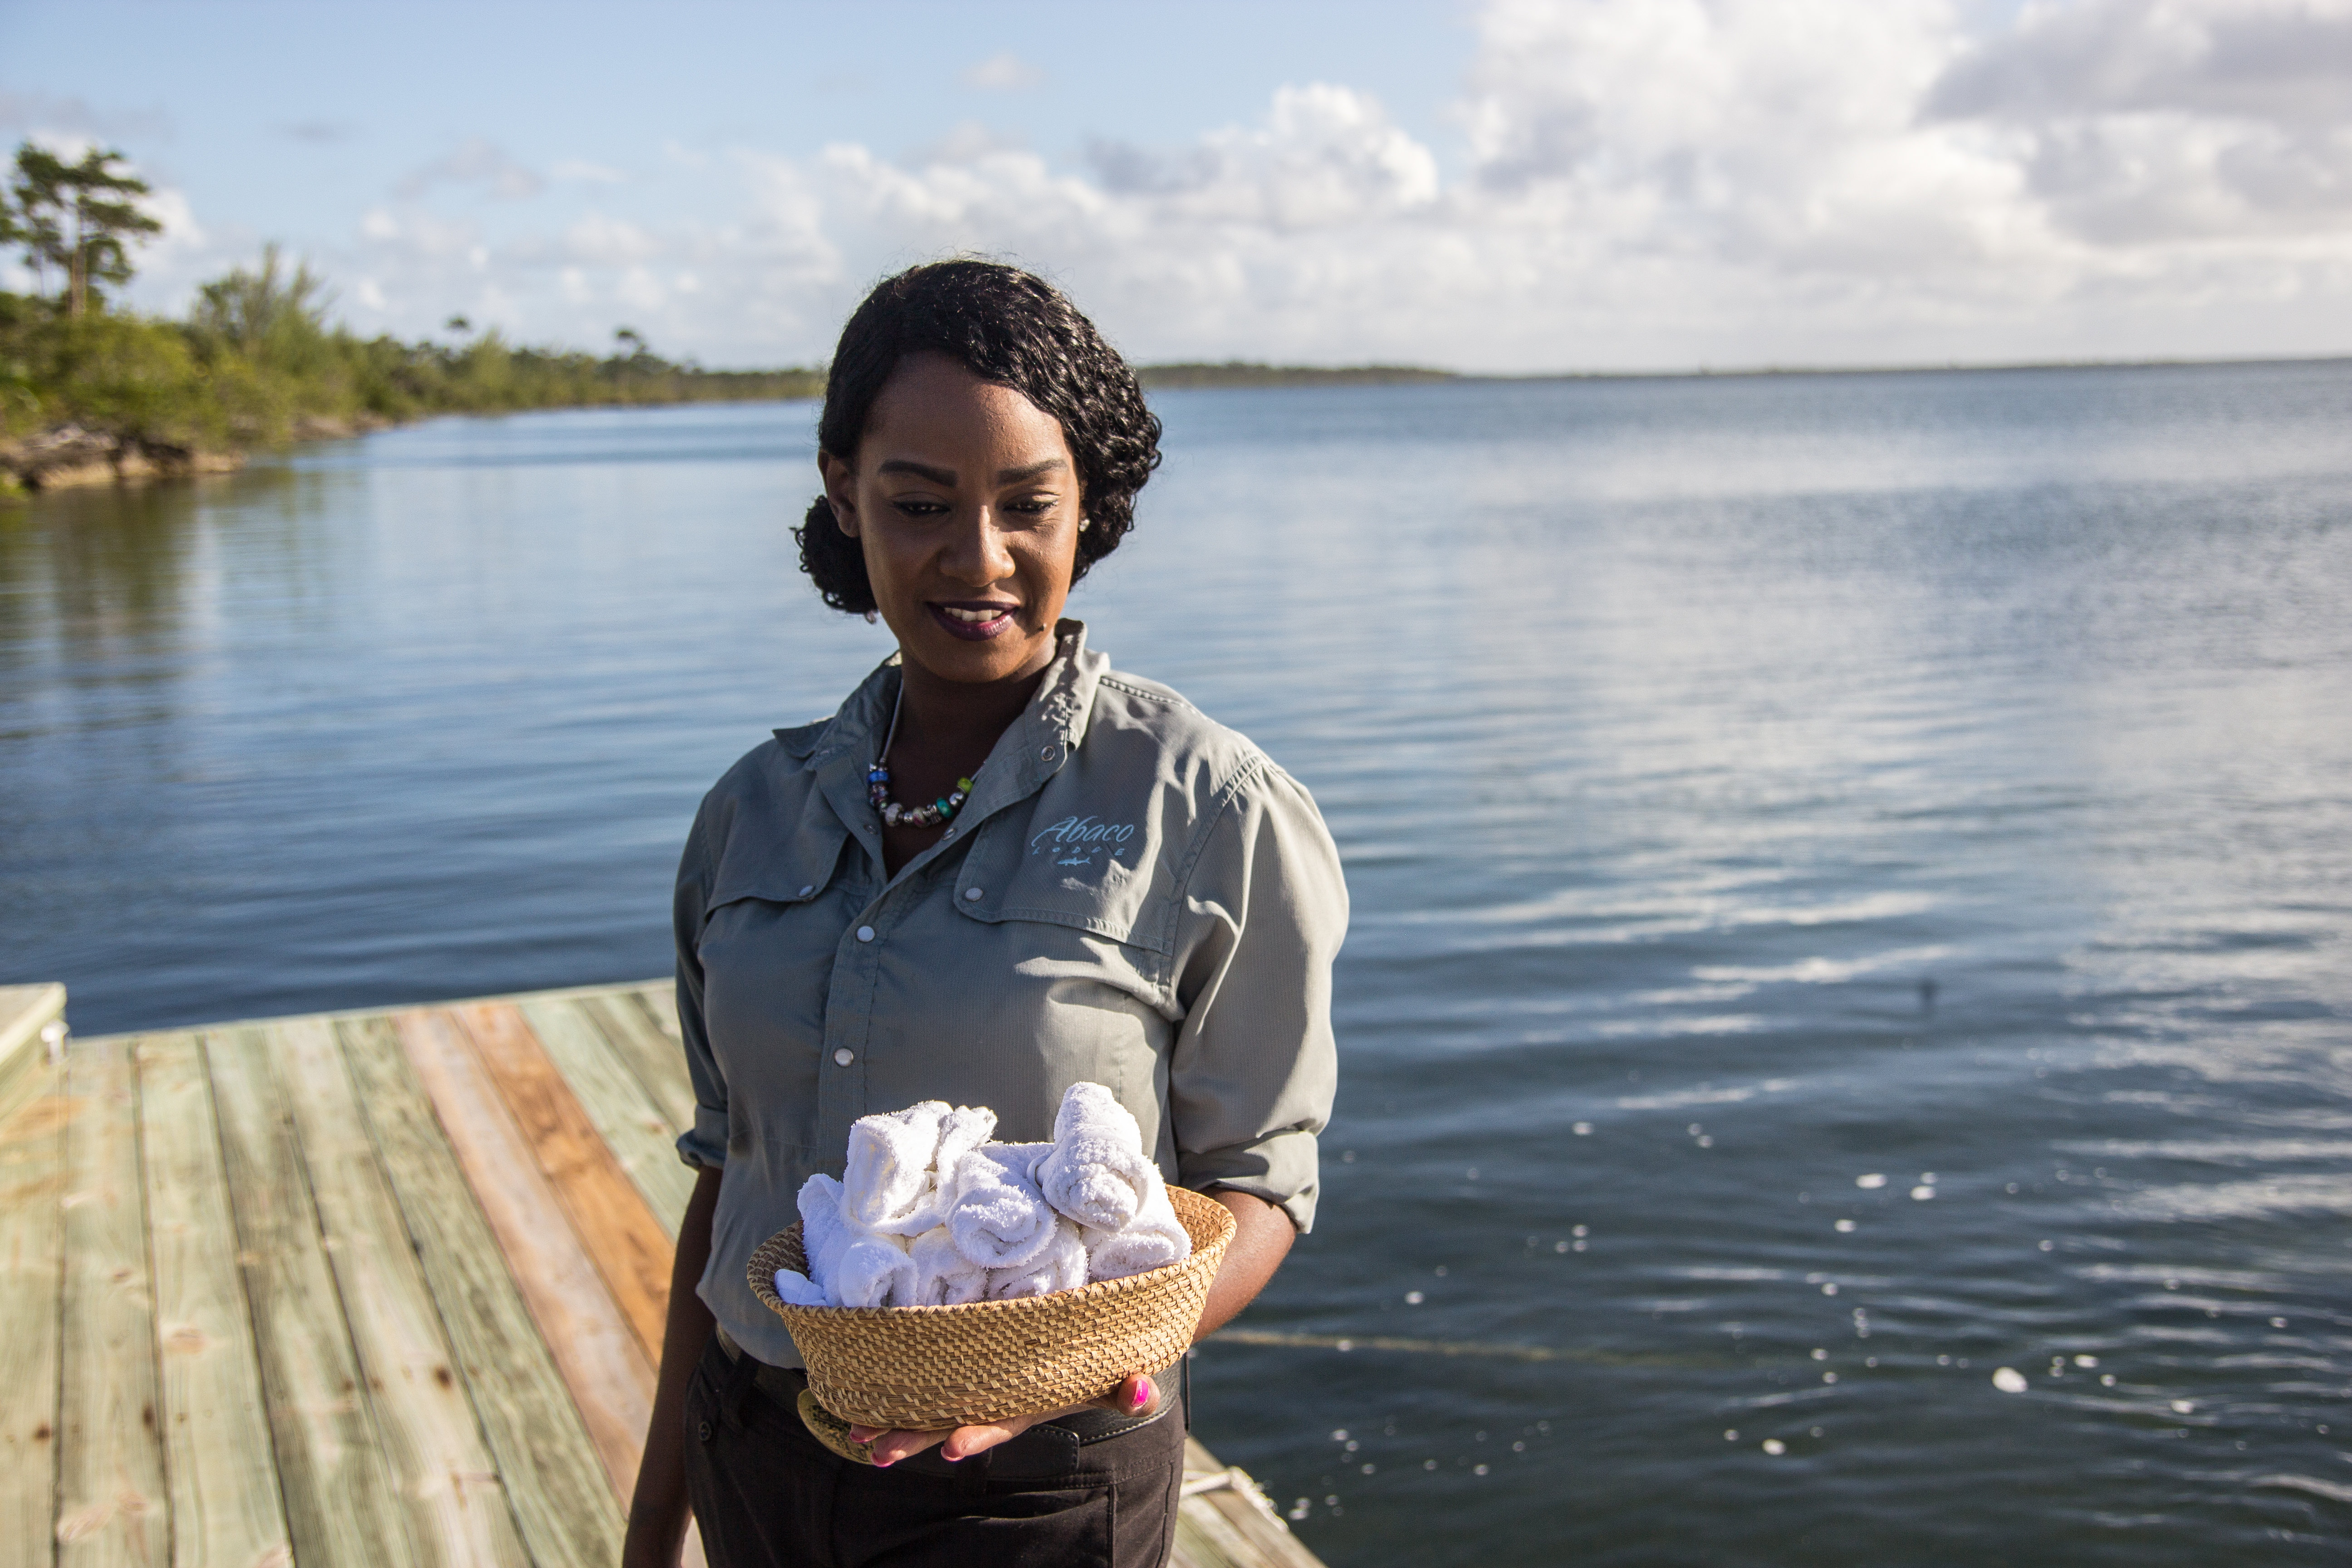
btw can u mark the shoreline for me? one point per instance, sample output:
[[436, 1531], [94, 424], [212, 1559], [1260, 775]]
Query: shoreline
[[71, 456]]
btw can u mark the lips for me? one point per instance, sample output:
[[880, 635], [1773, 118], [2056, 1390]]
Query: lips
[[975, 620]]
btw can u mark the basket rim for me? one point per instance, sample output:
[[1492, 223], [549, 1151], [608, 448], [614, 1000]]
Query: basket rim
[[763, 1282]]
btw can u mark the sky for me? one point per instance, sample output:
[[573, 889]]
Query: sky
[[1502, 186]]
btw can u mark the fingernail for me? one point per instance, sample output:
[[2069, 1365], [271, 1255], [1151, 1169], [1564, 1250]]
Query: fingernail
[[1142, 1393]]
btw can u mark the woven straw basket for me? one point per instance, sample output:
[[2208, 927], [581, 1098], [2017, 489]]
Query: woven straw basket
[[924, 1368]]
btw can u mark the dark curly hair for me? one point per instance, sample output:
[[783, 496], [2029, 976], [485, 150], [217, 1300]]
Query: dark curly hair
[[1005, 326]]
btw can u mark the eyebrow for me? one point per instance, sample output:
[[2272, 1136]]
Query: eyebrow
[[1014, 476], [947, 475], [921, 470]]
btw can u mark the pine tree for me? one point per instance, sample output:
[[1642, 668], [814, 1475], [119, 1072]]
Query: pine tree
[[76, 217]]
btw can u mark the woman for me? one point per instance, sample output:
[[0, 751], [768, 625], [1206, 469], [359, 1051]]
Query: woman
[[998, 870]]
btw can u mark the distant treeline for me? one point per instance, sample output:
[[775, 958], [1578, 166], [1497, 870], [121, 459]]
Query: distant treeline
[[257, 363], [1245, 373]]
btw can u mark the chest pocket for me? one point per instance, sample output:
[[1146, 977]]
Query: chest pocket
[[790, 868], [1106, 880]]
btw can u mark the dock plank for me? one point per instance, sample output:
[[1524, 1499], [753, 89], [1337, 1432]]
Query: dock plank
[[26, 1012], [652, 1055], [1245, 1532], [604, 1366], [639, 1136], [1231, 1526], [217, 1457], [614, 1223], [442, 1476], [553, 1474], [659, 999], [331, 1474], [113, 1507], [33, 1116]]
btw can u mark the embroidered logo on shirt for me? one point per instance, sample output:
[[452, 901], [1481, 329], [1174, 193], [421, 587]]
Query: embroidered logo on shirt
[[1085, 841]]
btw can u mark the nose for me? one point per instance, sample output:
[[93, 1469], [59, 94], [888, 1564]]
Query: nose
[[977, 553]]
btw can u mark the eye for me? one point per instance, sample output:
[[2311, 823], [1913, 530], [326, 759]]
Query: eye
[[1034, 506], [915, 506]]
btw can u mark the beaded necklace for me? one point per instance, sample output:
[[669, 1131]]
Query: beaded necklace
[[877, 785]]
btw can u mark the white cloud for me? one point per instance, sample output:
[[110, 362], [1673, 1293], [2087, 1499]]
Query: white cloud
[[967, 142], [586, 172], [1002, 73], [1324, 156], [60, 121], [1668, 184], [476, 162], [2139, 123], [596, 239], [182, 234]]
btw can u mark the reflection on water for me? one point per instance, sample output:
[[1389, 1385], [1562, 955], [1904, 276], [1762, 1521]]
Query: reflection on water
[[1849, 881]]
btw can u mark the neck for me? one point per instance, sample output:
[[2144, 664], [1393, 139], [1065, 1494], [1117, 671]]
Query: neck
[[960, 719]]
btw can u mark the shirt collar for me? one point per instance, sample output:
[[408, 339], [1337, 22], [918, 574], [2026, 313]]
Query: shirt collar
[[1031, 750], [1057, 712]]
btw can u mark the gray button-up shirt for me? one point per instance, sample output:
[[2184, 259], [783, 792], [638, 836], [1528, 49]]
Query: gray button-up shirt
[[1133, 896]]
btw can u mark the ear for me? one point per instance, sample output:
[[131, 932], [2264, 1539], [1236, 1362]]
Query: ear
[[841, 490]]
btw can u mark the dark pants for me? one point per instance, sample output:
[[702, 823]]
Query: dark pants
[[766, 1491]]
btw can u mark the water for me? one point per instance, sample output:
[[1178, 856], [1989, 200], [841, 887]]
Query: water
[[1750, 789]]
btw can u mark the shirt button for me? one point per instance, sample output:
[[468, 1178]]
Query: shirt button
[[807, 890], [843, 1056], [972, 892], [866, 933]]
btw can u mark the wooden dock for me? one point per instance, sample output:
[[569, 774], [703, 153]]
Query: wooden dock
[[359, 1287]]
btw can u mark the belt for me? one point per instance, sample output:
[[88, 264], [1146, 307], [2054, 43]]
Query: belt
[[788, 1387]]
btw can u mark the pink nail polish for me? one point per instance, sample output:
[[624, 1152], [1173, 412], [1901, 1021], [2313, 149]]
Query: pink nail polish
[[1142, 1393]]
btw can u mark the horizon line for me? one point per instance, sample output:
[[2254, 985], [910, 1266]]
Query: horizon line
[[1436, 373]]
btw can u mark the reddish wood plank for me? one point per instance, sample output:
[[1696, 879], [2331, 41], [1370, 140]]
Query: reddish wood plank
[[604, 1364], [628, 1244], [551, 1472]]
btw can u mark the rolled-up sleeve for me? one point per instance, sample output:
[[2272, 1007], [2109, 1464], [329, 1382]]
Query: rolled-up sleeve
[[1253, 1069], [703, 1146]]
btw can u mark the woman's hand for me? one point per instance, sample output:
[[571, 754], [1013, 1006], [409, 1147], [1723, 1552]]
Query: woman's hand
[[1137, 1395]]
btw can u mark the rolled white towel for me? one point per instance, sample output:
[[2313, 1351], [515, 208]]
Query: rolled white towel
[[798, 1291], [1061, 1265], [961, 1130], [824, 1231], [1154, 1239], [873, 1270], [1098, 1173], [944, 1277], [888, 1184], [852, 1265], [997, 1217]]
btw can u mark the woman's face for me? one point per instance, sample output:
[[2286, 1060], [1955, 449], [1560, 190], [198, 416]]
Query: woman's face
[[964, 498]]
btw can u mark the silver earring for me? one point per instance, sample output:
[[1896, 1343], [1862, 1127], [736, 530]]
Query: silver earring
[[872, 616]]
